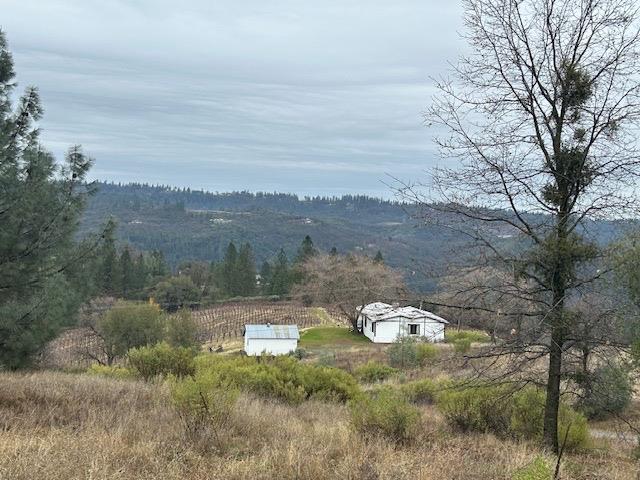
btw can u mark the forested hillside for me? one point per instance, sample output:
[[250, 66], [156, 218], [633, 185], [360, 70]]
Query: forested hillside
[[195, 225]]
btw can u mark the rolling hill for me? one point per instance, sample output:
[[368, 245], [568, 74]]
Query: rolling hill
[[197, 225]]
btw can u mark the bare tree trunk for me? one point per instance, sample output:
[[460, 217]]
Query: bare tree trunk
[[552, 405]]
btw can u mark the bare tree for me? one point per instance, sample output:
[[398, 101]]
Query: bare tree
[[540, 116], [348, 282]]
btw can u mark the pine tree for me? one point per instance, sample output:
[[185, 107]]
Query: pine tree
[[378, 258], [139, 276], [306, 250], [333, 252], [40, 205], [126, 273], [230, 270], [266, 272], [159, 267], [108, 259], [281, 279], [246, 271]]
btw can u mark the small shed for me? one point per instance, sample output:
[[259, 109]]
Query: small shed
[[270, 339], [384, 323]]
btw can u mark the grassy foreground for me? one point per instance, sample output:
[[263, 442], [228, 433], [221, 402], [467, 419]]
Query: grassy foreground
[[55, 425]]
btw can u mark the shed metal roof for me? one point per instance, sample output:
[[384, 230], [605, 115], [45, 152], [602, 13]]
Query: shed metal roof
[[380, 311], [272, 331]]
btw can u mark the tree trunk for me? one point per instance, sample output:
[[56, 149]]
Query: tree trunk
[[550, 432]]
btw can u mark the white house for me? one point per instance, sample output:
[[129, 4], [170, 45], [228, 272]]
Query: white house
[[384, 323], [270, 339]]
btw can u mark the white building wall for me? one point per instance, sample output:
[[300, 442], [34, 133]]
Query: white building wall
[[272, 346], [387, 331]]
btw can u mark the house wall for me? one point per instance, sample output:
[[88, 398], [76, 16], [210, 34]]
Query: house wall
[[272, 346], [387, 331]]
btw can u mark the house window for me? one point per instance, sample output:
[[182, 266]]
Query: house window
[[373, 328], [365, 321], [414, 329]]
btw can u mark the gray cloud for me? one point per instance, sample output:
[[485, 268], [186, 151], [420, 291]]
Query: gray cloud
[[308, 97]]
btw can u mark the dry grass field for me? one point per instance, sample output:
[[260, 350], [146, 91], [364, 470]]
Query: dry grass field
[[64, 426]]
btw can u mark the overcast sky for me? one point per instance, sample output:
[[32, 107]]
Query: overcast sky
[[311, 97]]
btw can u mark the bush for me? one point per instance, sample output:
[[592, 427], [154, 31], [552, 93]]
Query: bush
[[500, 411], [283, 378], [425, 353], [176, 292], [162, 360], [539, 469], [607, 391], [476, 408], [128, 325], [299, 353], [385, 413], [462, 345], [181, 330], [527, 413], [374, 372], [205, 406], [403, 353], [112, 371], [423, 391], [474, 336]]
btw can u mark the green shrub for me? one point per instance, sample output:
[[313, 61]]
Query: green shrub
[[462, 345], [299, 353], [283, 377], [425, 353], [205, 405], [386, 413], [181, 330], [161, 360], [474, 336], [476, 408], [527, 412], [607, 391], [422, 391], [113, 371], [374, 372], [403, 353], [539, 469], [496, 409], [129, 325]]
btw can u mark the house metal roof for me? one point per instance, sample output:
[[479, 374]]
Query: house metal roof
[[272, 331], [379, 311]]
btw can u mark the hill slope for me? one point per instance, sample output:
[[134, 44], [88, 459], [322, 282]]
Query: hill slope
[[196, 225]]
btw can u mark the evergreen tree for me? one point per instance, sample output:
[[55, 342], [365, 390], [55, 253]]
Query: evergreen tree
[[140, 278], [108, 259], [333, 252], [40, 205], [306, 250], [378, 258], [126, 273], [281, 278], [159, 267], [246, 271], [230, 270], [266, 272]]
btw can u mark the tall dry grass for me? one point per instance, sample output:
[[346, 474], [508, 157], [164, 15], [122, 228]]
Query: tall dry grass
[[63, 426]]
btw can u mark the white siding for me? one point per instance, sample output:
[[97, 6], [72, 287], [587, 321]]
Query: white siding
[[271, 346], [387, 331]]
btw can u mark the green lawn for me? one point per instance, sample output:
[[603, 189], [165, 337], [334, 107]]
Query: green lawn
[[330, 336]]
